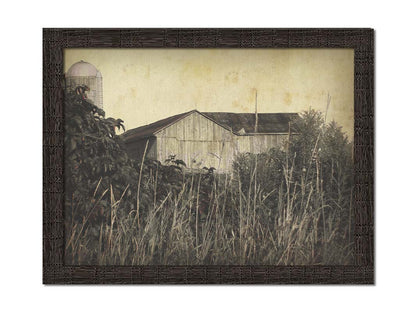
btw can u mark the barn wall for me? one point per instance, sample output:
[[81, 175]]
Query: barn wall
[[198, 142], [259, 143]]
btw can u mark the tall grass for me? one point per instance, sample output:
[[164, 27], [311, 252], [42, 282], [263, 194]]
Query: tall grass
[[218, 219], [283, 207]]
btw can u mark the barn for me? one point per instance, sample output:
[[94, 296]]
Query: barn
[[208, 139]]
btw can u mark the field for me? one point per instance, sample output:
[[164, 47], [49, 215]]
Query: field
[[288, 206]]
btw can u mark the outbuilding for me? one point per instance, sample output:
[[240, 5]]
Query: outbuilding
[[208, 139]]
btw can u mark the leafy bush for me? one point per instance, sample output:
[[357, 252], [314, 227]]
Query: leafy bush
[[98, 169], [94, 157]]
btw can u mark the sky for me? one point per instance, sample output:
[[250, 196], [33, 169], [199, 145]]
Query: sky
[[141, 86]]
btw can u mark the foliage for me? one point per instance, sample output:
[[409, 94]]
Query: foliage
[[290, 205], [98, 169], [94, 159], [312, 171]]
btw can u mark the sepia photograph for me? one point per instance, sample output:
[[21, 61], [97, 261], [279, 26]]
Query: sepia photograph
[[209, 156]]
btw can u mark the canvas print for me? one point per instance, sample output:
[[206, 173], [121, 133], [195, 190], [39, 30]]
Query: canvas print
[[209, 156]]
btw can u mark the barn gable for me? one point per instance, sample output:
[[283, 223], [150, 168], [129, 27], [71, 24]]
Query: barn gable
[[195, 126], [198, 141]]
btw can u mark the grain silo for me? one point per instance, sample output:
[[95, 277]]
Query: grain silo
[[84, 73]]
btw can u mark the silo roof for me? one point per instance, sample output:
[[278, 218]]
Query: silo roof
[[82, 69]]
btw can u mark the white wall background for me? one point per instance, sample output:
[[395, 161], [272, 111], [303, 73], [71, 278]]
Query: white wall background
[[21, 154]]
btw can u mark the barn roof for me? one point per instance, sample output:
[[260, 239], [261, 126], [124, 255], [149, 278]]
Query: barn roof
[[267, 123], [151, 129]]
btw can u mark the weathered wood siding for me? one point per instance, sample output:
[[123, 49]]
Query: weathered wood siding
[[199, 142], [259, 143]]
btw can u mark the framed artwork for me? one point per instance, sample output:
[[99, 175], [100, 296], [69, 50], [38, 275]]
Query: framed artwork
[[208, 156]]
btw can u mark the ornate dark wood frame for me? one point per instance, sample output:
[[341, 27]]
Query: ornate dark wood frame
[[54, 43]]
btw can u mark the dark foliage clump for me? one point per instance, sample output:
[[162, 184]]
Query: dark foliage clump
[[98, 170], [94, 158]]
